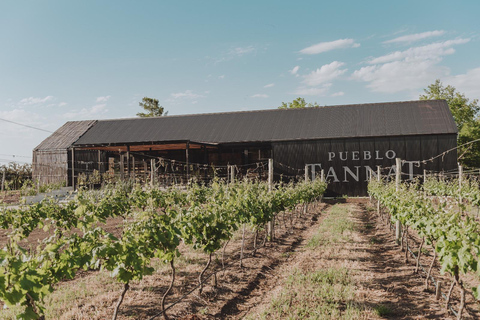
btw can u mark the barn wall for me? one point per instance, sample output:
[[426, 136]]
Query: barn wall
[[55, 166], [50, 166], [347, 161], [86, 161]]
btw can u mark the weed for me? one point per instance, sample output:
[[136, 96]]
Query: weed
[[315, 295], [334, 228], [382, 310], [374, 240]]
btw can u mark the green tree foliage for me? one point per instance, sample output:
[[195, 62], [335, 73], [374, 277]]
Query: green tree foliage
[[465, 112], [152, 107], [298, 104]]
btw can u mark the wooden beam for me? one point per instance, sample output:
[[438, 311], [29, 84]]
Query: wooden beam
[[73, 168], [149, 147], [99, 166], [187, 160], [128, 162], [134, 171], [122, 167]]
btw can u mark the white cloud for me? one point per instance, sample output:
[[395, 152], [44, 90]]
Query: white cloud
[[32, 100], [338, 94], [410, 69], [303, 91], [328, 46], [87, 113], [233, 53], [325, 74], [400, 75], [270, 85], [221, 77], [241, 51], [187, 94], [430, 51], [416, 36], [21, 116], [294, 70], [62, 104], [20, 140], [259, 95], [103, 99], [466, 83]]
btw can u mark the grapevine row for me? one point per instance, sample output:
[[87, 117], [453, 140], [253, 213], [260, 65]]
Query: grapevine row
[[454, 237], [468, 190], [154, 224]]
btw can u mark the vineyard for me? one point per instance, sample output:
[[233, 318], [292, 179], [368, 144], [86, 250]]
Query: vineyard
[[437, 213], [153, 224], [131, 232]]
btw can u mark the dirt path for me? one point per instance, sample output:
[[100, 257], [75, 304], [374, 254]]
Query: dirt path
[[386, 287]]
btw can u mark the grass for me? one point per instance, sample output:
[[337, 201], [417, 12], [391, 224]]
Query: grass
[[70, 293], [327, 293], [334, 228], [382, 310], [323, 294]]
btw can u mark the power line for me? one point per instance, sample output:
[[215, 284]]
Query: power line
[[26, 125], [15, 156]]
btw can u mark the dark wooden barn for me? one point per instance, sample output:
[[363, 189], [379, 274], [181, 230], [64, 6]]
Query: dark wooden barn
[[347, 142]]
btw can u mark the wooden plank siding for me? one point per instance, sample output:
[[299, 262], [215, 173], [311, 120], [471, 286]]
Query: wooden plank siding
[[50, 166], [349, 156]]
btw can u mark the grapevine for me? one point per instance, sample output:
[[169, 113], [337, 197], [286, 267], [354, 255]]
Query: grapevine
[[154, 223], [455, 238]]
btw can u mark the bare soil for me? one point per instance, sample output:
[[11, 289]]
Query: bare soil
[[10, 197]]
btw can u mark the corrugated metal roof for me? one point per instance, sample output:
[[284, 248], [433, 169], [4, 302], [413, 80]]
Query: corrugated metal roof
[[363, 120], [66, 135]]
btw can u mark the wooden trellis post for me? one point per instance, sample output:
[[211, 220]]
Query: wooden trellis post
[[438, 290], [379, 172], [3, 179], [271, 223], [424, 181], [398, 177], [460, 180], [152, 172]]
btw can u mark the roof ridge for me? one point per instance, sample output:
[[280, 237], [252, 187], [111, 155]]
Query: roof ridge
[[270, 110]]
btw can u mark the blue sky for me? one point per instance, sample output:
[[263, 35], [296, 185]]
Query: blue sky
[[77, 60]]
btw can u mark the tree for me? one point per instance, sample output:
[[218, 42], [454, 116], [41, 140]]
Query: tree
[[151, 105], [465, 113], [462, 109], [297, 104]]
